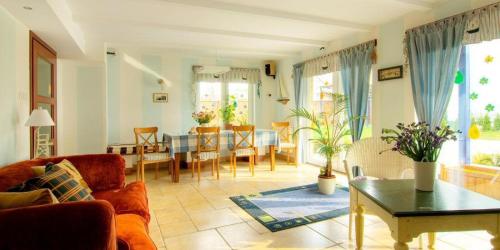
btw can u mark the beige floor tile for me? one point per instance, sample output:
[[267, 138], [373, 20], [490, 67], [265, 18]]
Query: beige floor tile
[[331, 229], [242, 213], [203, 240], [258, 227], [167, 216], [157, 237], [202, 206], [177, 228], [213, 219], [298, 238], [241, 236]]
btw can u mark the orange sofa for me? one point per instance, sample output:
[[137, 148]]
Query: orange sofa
[[117, 219]]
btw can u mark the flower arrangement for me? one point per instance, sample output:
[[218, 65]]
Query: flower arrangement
[[418, 141], [203, 117]]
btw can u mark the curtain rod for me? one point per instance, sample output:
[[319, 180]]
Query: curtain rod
[[463, 14], [338, 51]]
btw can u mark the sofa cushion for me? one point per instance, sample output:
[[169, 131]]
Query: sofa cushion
[[68, 166], [62, 185], [26, 199], [132, 199], [132, 230]]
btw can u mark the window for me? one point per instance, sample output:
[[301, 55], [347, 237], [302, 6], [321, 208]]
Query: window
[[210, 99], [212, 94], [240, 92], [474, 109]]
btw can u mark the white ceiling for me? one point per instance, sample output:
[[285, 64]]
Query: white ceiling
[[262, 28]]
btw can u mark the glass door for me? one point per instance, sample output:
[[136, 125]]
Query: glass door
[[43, 87], [320, 101]]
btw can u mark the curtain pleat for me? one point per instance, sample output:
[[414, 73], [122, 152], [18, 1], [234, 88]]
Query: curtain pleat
[[356, 64], [300, 91], [433, 53]]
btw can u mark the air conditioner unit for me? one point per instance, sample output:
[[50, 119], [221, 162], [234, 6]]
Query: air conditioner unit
[[216, 70]]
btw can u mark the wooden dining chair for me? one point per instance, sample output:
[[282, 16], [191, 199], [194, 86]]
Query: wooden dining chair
[[148, 150], [243, 146], [207, 148], [287, 143]]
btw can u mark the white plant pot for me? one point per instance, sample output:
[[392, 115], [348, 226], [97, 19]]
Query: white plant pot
[[326, 185], [425, 175]]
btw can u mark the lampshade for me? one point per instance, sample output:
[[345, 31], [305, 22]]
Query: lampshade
[[38, 118]]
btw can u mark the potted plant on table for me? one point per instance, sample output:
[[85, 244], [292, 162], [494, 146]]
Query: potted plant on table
[[422, 144], [328, 132], [203, 118], [228, 111]]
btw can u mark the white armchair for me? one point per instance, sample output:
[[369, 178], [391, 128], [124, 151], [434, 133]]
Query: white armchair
[[366, 154]]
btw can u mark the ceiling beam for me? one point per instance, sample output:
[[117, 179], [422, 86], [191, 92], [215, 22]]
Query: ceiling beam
[[273, 13], [207, 31], [417, 4], [204, 50]]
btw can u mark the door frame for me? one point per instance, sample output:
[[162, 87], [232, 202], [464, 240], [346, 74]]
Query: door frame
[[39, 47]]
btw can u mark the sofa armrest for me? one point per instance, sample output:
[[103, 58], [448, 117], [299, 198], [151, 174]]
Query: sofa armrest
[[101, 171], [72, 225]]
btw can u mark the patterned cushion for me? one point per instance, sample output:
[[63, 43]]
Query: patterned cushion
[[62, 185], [206, 155], [245, 152], [71, 169], [287, 145], [155, 156]]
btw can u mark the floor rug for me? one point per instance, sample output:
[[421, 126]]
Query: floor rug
[[291, 207]]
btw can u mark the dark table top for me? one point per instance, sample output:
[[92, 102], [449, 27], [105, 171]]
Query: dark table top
[[401, 199]]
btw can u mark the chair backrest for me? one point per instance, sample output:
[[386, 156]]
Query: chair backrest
[[283, 130], [147, 139], [243, 137], [366, 154], [208, 139]]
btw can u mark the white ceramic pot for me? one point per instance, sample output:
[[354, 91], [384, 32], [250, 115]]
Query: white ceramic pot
[[425, 175], [326, 185]]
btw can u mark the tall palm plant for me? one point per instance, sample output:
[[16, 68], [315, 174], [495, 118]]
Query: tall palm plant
[[328, 129]]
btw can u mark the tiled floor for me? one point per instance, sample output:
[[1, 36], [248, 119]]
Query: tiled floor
[[191, 215]]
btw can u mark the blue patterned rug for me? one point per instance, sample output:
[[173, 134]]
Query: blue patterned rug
[[291, 207]]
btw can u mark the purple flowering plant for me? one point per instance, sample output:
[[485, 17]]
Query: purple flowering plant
[[418, 141]]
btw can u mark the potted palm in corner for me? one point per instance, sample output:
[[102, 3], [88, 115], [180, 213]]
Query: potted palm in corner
[[328, 131], [423, 145]]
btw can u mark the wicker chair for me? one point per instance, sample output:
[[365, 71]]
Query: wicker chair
[[366, 154]]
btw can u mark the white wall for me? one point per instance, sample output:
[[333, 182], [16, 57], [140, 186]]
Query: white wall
[[14, 83], [81, 107], [132, 78]]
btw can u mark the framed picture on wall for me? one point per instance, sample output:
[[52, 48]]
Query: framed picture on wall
[[390, 73], [160, 97]]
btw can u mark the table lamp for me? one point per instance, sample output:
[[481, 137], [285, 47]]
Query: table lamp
[[40, 118]]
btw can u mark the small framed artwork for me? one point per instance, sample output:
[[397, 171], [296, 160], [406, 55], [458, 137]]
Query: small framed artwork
[[160, 97], [390, 73]]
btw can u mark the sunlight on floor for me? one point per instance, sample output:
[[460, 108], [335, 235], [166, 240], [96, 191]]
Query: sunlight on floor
[[191, 215]]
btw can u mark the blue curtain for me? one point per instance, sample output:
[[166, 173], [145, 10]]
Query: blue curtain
[[356, 64], [300, 91], [433, 55]]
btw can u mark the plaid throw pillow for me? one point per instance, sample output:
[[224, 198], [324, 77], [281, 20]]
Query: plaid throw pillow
[[62, 185]]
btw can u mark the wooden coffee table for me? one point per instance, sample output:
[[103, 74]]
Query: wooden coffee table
[[409, 212]]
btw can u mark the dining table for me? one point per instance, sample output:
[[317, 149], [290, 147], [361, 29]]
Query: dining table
[[179, 144]]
